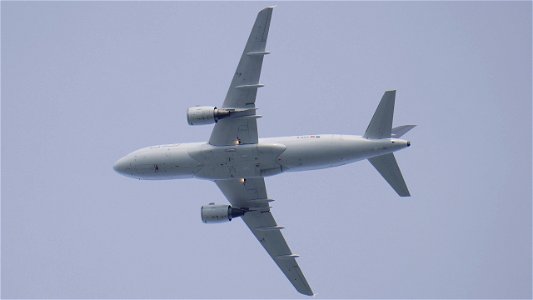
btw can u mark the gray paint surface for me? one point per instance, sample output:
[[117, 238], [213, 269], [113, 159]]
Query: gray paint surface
[[85, 83]]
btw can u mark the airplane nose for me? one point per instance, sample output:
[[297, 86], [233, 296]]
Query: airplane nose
[[122, 166]]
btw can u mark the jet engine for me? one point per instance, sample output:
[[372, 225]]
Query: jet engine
[[202, 115], [214, 213]]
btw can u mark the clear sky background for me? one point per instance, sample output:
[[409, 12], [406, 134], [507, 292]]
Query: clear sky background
[[86, 83]]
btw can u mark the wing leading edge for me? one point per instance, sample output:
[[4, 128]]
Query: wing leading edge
[[252, 196]]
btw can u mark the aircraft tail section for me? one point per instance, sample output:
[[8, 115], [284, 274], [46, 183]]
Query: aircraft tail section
[[381, 124], [388, 168], [398, 132]]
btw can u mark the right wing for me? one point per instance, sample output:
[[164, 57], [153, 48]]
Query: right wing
[[245, 82], [243, 88], [251, 195]]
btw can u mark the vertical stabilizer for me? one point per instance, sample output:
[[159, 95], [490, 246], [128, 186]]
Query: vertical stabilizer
[[388, 168], [381, 124]]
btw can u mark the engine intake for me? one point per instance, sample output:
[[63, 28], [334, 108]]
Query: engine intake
[[202, 115], [214, 213]]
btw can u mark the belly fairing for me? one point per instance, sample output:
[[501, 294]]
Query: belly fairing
[[239, 161]]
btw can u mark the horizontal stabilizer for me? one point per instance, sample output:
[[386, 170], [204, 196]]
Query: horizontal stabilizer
[[398, 132], [388, 168], [381, 124]]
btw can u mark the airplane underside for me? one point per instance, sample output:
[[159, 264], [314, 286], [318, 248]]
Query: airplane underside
[[237, 160]]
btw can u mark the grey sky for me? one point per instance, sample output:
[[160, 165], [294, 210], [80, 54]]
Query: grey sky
[[85, 83]]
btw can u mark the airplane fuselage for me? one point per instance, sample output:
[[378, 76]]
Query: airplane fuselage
[[270, 156]]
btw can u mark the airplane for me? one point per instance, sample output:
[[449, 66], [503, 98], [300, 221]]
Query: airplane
[[237, 160]]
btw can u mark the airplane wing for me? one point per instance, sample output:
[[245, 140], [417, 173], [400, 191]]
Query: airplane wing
[[243, 88], [251, 195]]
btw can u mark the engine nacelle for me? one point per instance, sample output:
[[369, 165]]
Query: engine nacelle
[[202, 115], [214, 213]]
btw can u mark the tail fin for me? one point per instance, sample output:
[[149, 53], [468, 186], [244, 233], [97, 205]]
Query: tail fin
[[388, 168], [381, 124]]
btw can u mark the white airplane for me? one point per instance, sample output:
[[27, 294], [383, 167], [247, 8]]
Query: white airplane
[[237, 160]]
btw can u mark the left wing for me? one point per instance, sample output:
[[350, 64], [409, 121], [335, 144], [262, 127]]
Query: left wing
[[251, 195], [243, 88]]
